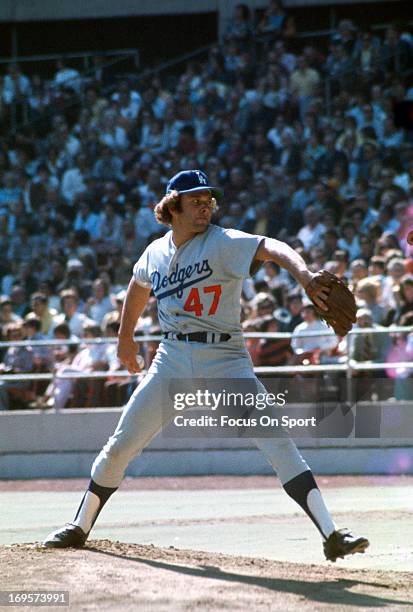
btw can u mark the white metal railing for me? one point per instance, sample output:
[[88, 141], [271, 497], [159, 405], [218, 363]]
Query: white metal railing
[[159, 337], [348, 366], [83, 55]]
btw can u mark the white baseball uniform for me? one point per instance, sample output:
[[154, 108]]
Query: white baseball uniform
[[198, 288]]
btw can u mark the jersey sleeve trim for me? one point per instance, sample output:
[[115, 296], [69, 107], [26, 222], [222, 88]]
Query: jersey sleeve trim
[[141, 283], [256, 265], [141, 271]]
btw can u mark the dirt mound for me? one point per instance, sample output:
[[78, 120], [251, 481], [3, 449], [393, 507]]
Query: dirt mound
[[110, 575]]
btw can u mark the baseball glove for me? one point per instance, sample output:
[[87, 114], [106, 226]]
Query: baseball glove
[[341, 313]]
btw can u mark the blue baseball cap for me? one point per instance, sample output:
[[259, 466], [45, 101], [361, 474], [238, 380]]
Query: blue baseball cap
[[192, 180]]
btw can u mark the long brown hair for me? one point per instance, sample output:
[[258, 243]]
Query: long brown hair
[[163, 208], [171, 201]]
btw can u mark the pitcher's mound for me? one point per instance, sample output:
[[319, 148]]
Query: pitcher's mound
[[109, 575]]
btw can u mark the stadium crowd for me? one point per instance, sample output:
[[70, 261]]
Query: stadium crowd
[[303, 141]]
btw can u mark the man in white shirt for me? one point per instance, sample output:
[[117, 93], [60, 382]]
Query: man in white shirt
[[67, 77], [310, 235], [70, 315], [312, 323], [15, 84], [129, 101], [73, 181]]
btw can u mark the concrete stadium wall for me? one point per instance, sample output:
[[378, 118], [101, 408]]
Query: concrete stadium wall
[[44, 10], [13, 11], [41, 444], [27, 10]]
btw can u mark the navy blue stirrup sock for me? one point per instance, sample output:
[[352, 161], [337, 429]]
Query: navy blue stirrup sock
[[89, 507], [303, 489]]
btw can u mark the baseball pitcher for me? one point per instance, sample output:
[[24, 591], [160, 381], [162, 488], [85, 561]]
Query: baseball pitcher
[[196, 272]]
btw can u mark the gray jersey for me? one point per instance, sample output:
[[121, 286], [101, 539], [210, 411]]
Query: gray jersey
[[198, 285]]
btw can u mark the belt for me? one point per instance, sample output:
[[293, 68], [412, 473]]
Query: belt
[[211, 337]]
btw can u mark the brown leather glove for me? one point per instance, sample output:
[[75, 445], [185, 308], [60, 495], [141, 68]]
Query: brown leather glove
[[341, 313]]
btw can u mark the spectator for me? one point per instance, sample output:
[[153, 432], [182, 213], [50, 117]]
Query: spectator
[[287, 60], [19, 301], [153, 140], [403, 301], [394, 273], [358, 271], [76, 320], [325, 164], [239, 29], [38, 187], [401, 351], [336, 65], [263, 304], [110, 225], [367, 346], [290, 158], [294, 307], [301, 198], [86, 220], [368, 215], [346, 35], [368, 291], [129, 102], [58, 392], [42, 355], [341, 259], [391, 137], [7, 315], [367, 56], [114, 314], [377, 267], [40, 309], [112, 195], [94, 102], [131, 243], [10, 190], [17, 360], [146, 224], [330, 242], [67, 77], [275, 278], [16, 85], [90, 358], [396, 53], [108, 166], [316, 348], [304, 83], [366, 247], [349, 240], [116, 389], [271, 352], [149, 317], [100, 303], [112, 134], [74, 278], [73, 181], [386, 219], [311, 233], [273, 21]]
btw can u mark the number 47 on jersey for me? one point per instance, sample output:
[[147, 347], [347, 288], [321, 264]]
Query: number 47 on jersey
[[195, 304]]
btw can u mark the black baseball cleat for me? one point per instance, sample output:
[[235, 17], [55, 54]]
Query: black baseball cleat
[[341, 543], [69, 536]]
